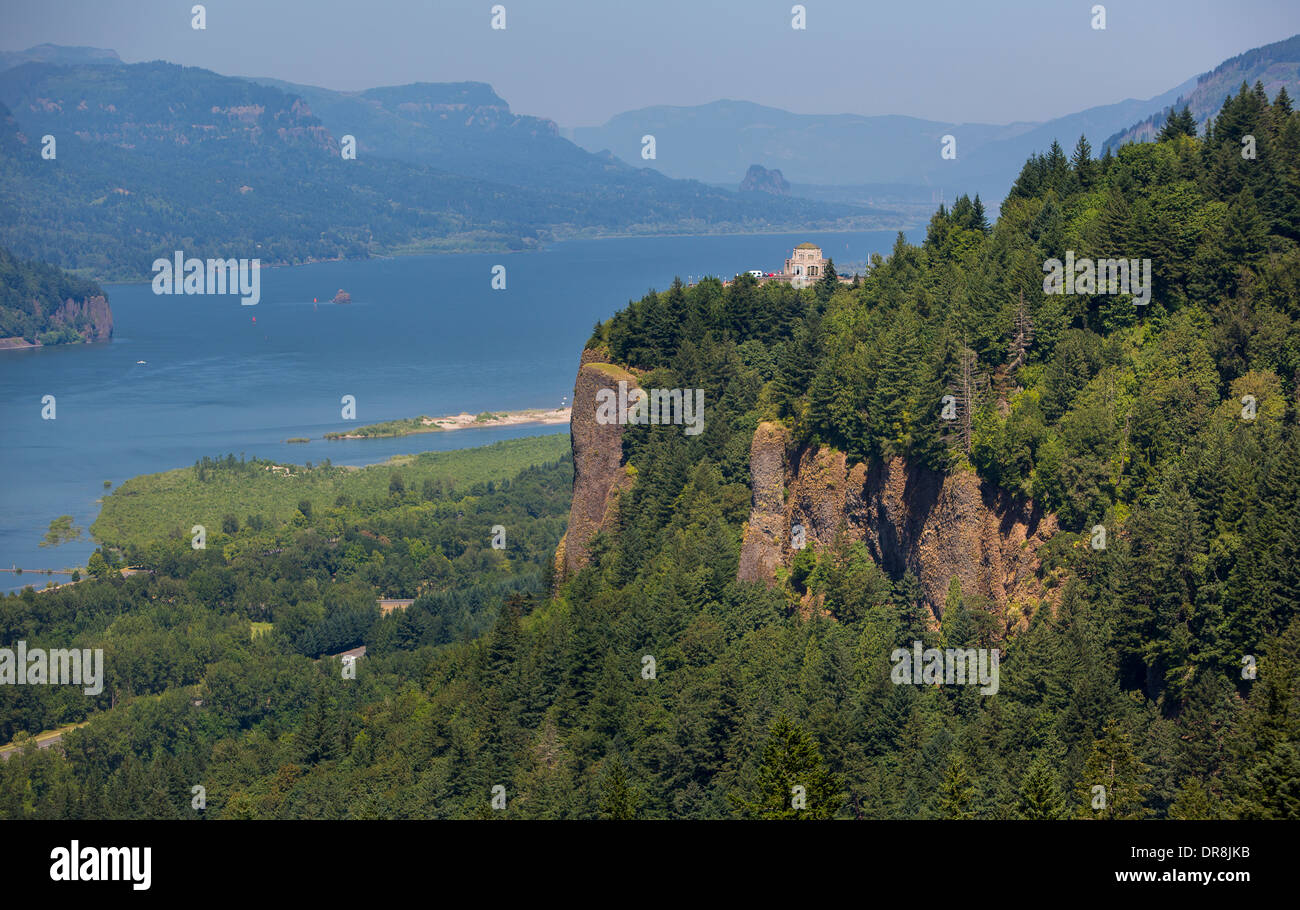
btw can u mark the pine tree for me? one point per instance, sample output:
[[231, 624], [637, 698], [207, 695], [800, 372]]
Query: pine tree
[[618, 799], [1193, 803], [957, 792], [1264, 774], [1178, 123], [1282, 103], [969, 389], [791, 781], [1040, 795], [1113, 766], [828, 282], [1082, 161], [1058, 175], [1022, 336]]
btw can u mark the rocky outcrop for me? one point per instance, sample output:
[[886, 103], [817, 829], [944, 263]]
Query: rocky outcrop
[[342, 297], [936, 526], [91, 317], [766, 534], [759, 179], [599, 474]]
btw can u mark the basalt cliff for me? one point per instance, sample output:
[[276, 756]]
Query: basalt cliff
[[599, 474], [911, 519]]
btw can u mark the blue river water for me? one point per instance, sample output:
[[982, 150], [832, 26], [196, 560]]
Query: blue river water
[[423, 335]]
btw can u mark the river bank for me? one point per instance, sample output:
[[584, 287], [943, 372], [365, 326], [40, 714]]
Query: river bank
[[462, 421]]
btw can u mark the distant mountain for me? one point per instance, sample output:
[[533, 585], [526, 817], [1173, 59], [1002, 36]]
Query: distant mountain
[[717, 142], [466, 128], [1275, 65], [462, 127], [155, 157], [56, 53]]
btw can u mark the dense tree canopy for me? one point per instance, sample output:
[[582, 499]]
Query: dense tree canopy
[[1158, 680]]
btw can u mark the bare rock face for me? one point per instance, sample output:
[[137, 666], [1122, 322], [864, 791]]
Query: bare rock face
[[767, 531], [599, 474], [936, 526], [91, 317]]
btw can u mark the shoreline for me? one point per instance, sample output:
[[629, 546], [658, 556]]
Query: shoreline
[[539, 247], [410, 426]]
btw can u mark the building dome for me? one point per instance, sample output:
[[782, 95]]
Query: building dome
[[807, 246]]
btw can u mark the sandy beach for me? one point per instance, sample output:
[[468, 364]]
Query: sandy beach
[[462, 421]]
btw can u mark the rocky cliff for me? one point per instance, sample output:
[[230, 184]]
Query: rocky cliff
[[937, 526], [599, 474], [759, 179], [911, 519], [91, 317]]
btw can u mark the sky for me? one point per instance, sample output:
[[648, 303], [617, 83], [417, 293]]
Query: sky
[[579, 62]]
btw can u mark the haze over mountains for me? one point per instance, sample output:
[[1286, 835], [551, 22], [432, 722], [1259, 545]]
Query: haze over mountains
[[154, 157], [718, 142], [255, 163], [1275, 65]]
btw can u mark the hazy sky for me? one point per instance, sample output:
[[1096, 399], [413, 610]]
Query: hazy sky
[[581, 61]]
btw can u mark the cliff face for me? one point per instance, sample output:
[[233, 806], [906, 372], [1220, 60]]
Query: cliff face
[[910, 519], [759, 179], [766, 538], [599, 474], [91, 317]]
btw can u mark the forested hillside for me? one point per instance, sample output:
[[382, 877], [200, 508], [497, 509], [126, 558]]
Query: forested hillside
[[153, 157], [41, 304], [1276, 66], [1161, 667]]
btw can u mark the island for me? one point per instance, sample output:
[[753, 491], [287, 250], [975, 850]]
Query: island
[[342, 297], [423, 424]]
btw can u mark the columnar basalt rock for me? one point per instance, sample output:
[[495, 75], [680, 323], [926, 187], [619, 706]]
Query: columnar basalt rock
[[91, 316], [599, 474], [936, 526], [767, 531]]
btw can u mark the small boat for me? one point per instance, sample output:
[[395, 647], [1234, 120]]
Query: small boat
[[140, 361]]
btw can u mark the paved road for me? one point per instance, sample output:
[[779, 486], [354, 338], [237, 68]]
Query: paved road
[[43, 741]]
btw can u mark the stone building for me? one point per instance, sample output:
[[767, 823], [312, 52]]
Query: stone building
[[804, 266]]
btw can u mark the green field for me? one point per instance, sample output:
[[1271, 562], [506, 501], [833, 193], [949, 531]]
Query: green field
[[153, 505]]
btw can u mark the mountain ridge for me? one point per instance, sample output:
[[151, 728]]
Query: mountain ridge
[[1205, 98]]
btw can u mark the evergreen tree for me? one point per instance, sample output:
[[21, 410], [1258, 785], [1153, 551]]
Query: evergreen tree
[[1082, 162], [1040, 796], [791, 781], [618, 799], [956, 793], [828, 282], [1178, 123], [1113, 766]]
